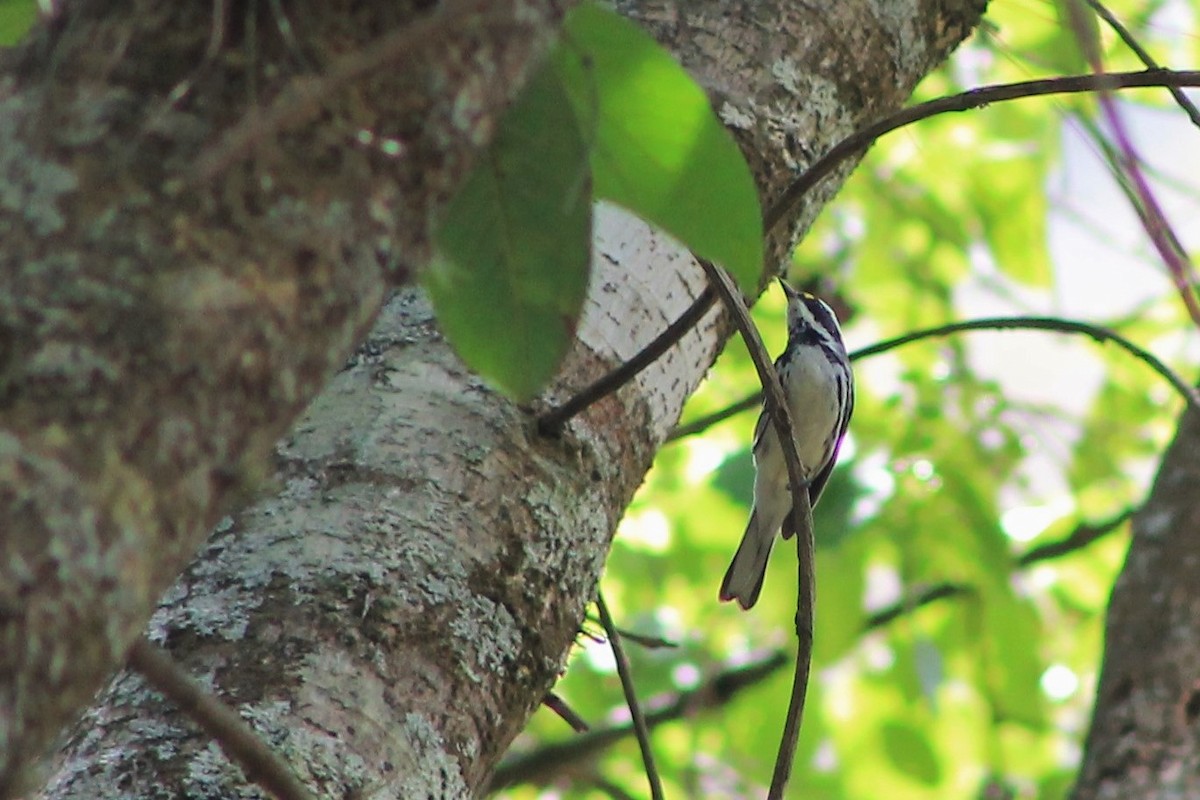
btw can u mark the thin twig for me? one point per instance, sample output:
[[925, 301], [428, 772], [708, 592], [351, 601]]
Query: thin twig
[[543, 764], [635, 709], [783, 207], [262, 764], [551, 423], [1128, 163], [1099, 333], [1133, 44], [776, 408], [806, 598], [1078, 539], [648, 642], [707, 421], [563, 709], [931, 594], [1119, 158]]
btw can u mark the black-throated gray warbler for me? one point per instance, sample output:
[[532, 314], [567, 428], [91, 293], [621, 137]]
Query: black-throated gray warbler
[[819, 387]]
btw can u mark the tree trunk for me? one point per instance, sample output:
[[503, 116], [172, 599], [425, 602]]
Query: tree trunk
[[1144, 740], [174, 292], [180, 282]]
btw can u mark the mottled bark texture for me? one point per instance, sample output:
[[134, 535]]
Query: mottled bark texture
[[391, 615], [159, 328], [1145, 737]]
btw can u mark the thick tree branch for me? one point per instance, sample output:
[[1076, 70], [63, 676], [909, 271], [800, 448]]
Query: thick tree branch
[[1144, 741], [158, 333]]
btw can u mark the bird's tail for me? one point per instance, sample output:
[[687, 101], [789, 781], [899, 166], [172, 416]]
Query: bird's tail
[[744, 578]]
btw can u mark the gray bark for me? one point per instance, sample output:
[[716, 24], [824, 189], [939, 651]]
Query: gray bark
[[159, 327], [1144, 740], [390, 615]]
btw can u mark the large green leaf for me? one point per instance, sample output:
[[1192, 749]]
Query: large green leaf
[[510, 269], [657, 147]]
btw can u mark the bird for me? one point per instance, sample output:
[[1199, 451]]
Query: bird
[[814, 370]]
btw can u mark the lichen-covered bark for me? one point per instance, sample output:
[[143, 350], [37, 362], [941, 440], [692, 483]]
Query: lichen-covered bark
[[1144, 741], [160, 327], [392, 614]]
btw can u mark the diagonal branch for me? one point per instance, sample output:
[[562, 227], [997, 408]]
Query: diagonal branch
[[1127, 164], [243, 746], [1081, 537]]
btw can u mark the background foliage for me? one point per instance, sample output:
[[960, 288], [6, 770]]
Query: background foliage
[[966, 454]]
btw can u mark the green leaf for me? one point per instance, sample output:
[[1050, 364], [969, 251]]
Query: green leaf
[[657, 147], [907, 746], [1013, 218], [735, 477], [1013, 668], [510, 268], [16, 18]]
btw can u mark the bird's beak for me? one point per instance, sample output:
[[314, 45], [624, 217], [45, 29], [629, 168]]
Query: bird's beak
[[791, 293]]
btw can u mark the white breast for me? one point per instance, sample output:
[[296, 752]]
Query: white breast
[[811, 386]]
